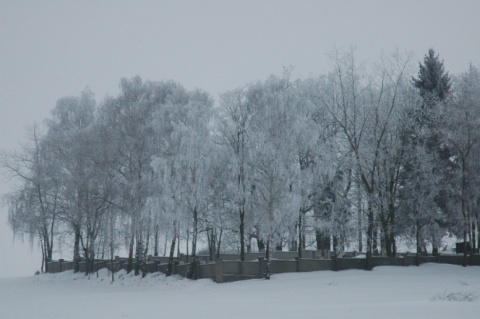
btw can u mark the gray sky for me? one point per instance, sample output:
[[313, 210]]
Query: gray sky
[[50, 49]]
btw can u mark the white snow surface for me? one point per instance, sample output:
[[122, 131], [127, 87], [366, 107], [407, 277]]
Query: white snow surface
[[427, 291]]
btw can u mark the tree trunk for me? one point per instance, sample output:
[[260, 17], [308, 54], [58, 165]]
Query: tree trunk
[[156, 240], [219, 242], [187, 242], [466, 225], [434, 243], [419, 249], [86, 255], [138, 254], [474, 237], [165, 244], [147, 244], [76, 250], [300, 234], [268, 254], [44, 267], [478, 239], [323, 241], [260, 245], [393, 245], [370, 233], [195, 233], [375, 239], [172, 251], [112, 247], [359, 222], [91, 257], [270, 232], [335, 245], [386, 245], [130, 253], [50, 243], [464, 259], [211, 240], [193, 264], [145, 253], [178, 242], [242, 233]]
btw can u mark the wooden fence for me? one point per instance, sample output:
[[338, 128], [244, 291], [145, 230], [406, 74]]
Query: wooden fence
[[229, 268]]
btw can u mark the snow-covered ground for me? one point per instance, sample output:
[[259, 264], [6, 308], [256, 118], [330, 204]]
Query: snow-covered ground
[[428, 291]]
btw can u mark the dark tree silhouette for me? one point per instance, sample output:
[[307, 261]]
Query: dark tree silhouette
[[433, 82]]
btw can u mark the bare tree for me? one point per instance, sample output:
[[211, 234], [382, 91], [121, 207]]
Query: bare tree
[[362, 109], [34, 208]]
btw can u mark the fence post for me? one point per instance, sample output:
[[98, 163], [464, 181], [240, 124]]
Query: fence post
[[219, 271], [262, 266], [60, 262], [174, 267], [297, 259]]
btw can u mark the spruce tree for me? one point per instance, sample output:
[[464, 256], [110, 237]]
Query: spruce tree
[[432, 82]]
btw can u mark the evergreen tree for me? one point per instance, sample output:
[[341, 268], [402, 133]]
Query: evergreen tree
[[434, 86], [432, 82]]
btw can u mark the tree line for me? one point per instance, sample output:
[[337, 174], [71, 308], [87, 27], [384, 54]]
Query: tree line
[[356, 157]]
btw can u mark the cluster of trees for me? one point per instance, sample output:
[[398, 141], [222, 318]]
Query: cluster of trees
[[354, 157]]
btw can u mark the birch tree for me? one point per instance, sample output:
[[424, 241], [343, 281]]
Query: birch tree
[[130, 117], [85, 189], [234, 133], [275, 157], [34, 208]]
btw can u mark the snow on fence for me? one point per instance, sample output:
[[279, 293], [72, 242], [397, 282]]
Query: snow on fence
[[229, 268]]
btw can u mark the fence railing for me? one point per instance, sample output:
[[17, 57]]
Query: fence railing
[[230, 268]]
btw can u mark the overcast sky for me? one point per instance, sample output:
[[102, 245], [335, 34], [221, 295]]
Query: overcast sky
[[50, 49]]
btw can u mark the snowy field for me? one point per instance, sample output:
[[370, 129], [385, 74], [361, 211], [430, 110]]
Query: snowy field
[[428, 291]]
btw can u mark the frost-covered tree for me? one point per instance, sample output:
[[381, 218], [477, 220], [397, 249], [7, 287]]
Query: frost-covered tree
[[86, 185], [191, 123], [282, 162], [417, 213], [130, 118], [461, 127], [275, 158], [33, 209], [220, 208], [234, 132], [395, 153], [362, 108]]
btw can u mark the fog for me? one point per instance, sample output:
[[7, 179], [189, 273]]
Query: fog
[[51, 49]]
